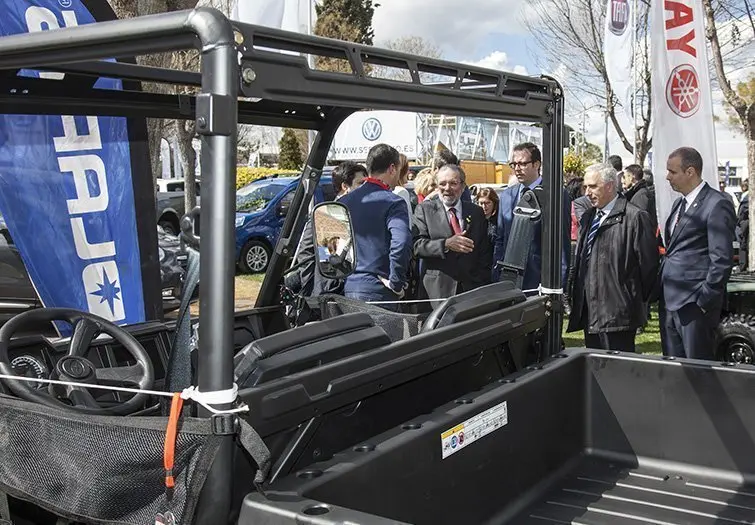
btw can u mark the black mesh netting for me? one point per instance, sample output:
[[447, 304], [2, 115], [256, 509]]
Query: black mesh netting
[[398, 326], [100, 469]]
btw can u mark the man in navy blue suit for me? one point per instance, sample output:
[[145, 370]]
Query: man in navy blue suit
[[383, 240], [698, 262], [526, 161]]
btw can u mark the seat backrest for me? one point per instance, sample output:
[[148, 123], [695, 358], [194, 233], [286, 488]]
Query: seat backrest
[[305, 347], [477, 302], [398, 326]]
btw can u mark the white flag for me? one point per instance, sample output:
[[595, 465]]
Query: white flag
[[289, 15], [618, 42], [682, 108], [259, 12]]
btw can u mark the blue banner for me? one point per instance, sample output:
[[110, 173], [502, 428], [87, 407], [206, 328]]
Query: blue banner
[[66, 190]]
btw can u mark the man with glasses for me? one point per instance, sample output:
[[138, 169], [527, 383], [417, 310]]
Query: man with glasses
[[451, 239], [526, 161]]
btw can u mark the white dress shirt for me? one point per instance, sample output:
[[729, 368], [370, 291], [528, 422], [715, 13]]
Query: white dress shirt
[[607, 209], [690, 198], [459, 215]]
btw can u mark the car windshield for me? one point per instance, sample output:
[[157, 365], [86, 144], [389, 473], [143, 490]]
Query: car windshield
[[255, 196]]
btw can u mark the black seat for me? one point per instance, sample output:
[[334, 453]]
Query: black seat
[[398, 326], [477, 302], [306, 347]]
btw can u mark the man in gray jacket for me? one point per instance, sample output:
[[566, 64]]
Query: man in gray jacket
[[616, 265]]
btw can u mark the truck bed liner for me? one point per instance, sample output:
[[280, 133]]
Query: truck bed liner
[[588, 437], [600, 492]]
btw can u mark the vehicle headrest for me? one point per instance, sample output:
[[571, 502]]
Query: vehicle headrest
[[477, 302]]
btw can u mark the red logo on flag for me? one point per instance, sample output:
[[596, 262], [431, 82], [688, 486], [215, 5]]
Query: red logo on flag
[[619, 17], [683, 91]]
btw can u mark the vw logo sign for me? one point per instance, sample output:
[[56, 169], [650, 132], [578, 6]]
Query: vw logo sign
[[619, 17], [372, 129], [65, 3]]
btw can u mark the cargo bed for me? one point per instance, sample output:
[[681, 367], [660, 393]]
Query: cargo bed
[[587, 437]]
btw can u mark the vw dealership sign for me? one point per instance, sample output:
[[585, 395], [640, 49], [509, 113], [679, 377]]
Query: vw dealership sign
[[364, 129]]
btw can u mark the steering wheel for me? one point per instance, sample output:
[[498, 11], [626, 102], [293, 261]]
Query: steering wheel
[[75, 367]]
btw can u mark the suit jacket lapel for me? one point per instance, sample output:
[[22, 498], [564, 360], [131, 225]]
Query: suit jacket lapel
[[689, 213], [443, 217]]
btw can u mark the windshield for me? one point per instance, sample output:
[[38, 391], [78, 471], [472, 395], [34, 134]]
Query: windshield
[[255, 196]]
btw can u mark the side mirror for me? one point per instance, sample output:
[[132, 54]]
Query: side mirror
[[334, 240]]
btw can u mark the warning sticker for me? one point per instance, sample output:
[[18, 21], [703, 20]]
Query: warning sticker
[[465, 433]]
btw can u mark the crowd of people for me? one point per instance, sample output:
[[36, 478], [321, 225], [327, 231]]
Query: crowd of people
[[614, 263]]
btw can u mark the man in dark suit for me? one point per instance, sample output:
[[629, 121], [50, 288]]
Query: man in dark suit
[[699, 259], [451, 239], [526, 161]]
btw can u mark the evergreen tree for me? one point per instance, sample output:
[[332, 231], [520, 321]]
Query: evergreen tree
[[349, 20], [289, 157]]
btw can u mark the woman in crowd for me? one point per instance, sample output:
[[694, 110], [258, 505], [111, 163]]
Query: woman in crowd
[[425, 185], [403, 178], [487, 198]]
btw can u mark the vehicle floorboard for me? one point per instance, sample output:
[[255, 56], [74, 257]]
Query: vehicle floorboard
[[600, 492]]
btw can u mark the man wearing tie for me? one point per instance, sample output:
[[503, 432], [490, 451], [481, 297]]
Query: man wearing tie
[[698, 262], [616, 265], [526, 162], [451, 239]]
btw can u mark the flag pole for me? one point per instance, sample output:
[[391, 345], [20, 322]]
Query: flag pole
[[634, 83]]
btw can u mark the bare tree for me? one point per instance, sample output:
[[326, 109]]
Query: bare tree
[[414, 45], [744, 109], [569, 36]]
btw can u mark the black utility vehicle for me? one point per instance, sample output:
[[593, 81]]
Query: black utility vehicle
[[472, 414]]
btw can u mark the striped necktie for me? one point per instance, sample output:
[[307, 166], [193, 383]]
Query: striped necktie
[[593, 233]]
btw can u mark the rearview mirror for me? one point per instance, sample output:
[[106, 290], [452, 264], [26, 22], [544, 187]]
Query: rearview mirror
[[334, 239]]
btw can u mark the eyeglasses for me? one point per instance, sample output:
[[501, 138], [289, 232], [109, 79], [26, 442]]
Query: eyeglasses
[[515, 165]]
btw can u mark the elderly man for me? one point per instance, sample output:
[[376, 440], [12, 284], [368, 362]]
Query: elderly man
[[616, 265], [699, 259], [451, 239]]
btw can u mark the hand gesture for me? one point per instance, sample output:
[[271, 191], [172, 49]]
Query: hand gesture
[[460, 243]]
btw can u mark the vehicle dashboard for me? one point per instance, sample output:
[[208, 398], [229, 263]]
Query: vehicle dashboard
[[36, 356]]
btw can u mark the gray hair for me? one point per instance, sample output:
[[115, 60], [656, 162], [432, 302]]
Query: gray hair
[[456, 169], [606, 172]]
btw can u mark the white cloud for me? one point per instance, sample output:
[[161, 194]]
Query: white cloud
[[499, 61], [449, 24]]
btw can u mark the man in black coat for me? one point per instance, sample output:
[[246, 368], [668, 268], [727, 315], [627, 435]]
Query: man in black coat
[[639, 192], [616, 265], [698, 262], [743, 225], [451, 238]]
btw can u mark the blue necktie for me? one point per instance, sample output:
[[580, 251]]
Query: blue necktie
[[593, 233]]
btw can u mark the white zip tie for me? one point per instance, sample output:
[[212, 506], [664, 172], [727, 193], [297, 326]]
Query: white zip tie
[[205, 399], [555, 291]]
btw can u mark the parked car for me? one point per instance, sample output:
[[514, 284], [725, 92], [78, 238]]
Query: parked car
[[261, 208], [170, 203], [17, 293]]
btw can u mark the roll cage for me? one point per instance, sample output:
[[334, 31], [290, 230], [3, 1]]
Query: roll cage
[[245, 78]]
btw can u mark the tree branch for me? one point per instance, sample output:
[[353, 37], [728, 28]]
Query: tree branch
[[731, 96]]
